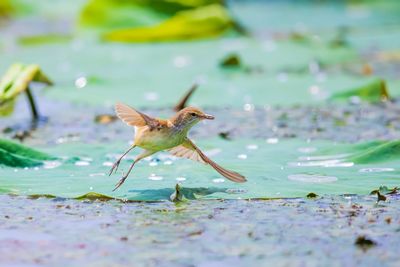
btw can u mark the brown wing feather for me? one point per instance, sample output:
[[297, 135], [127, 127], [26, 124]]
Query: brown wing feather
[[133, 117], [189, 150]]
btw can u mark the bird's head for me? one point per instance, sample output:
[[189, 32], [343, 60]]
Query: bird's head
[[189, 116]]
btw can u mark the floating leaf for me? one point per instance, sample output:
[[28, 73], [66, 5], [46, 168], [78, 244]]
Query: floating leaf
[[202, 22], [373, 92], [135, 13], [16, 155], [388, 151]]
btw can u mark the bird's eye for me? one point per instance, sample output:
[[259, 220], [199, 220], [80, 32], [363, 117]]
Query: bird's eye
[[193, 114]]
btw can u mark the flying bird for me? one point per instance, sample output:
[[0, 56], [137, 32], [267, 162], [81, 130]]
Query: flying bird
[[154, 135]]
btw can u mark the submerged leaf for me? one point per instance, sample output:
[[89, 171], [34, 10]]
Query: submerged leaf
[[201, 22], [373, 92], [16, 155]]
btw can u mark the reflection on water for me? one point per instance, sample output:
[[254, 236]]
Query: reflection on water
[[376, 170], [312, 178]]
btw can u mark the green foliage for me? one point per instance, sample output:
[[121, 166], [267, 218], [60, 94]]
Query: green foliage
[[16, 155], [202, 22], [134, 13], [5, 8], [372, 92], [388, 151], [157, 20], [16, 81]]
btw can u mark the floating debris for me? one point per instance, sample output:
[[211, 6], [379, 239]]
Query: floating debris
[[231, 61], [312, 195], [364, 243]]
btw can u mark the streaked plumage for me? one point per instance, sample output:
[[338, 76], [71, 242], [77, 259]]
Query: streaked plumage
[[154, 135]]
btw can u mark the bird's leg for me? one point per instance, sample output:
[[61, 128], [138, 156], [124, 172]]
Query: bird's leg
[[116, 164], [145, 154]]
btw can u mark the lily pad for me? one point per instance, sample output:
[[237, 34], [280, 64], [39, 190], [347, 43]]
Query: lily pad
[[16, 155], [388, 151], [202, 22]]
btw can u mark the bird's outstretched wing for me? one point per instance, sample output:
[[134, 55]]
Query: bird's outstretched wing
[[190, 151], [133, 117]]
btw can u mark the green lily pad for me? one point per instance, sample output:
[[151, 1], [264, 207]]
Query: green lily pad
[[16, 155], [134, 13], [202, 22], [292, 174], [388, 151]]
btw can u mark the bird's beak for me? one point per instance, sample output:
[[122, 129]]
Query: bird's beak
[[207, 117]]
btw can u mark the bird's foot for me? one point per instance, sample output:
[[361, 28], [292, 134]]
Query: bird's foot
[[120, 182], [115, 166]]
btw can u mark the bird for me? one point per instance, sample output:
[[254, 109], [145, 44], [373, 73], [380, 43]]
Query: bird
[[154, 135]]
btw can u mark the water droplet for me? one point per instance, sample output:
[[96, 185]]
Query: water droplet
[[97, 174], [306, 150], [312, 178], [180, 179], [272, 140], [376, 170], [153, 163], [80, 82], [168, 162], [242, 156], [248, 107], [218, 180], [91, 188], [151, 96], [82, 163], [181, 61], [252, 147], [51, 164], [155, 177]]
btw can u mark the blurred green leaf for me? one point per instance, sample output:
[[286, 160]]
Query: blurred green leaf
[[5, 8], [372, 92], [16, 81], [16, 155], [203, 22], [388, 151], [135, 13]]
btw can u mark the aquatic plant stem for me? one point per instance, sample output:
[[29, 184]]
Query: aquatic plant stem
[[34, 110]]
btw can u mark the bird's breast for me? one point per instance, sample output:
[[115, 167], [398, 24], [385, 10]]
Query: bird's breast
[[157, 139]]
